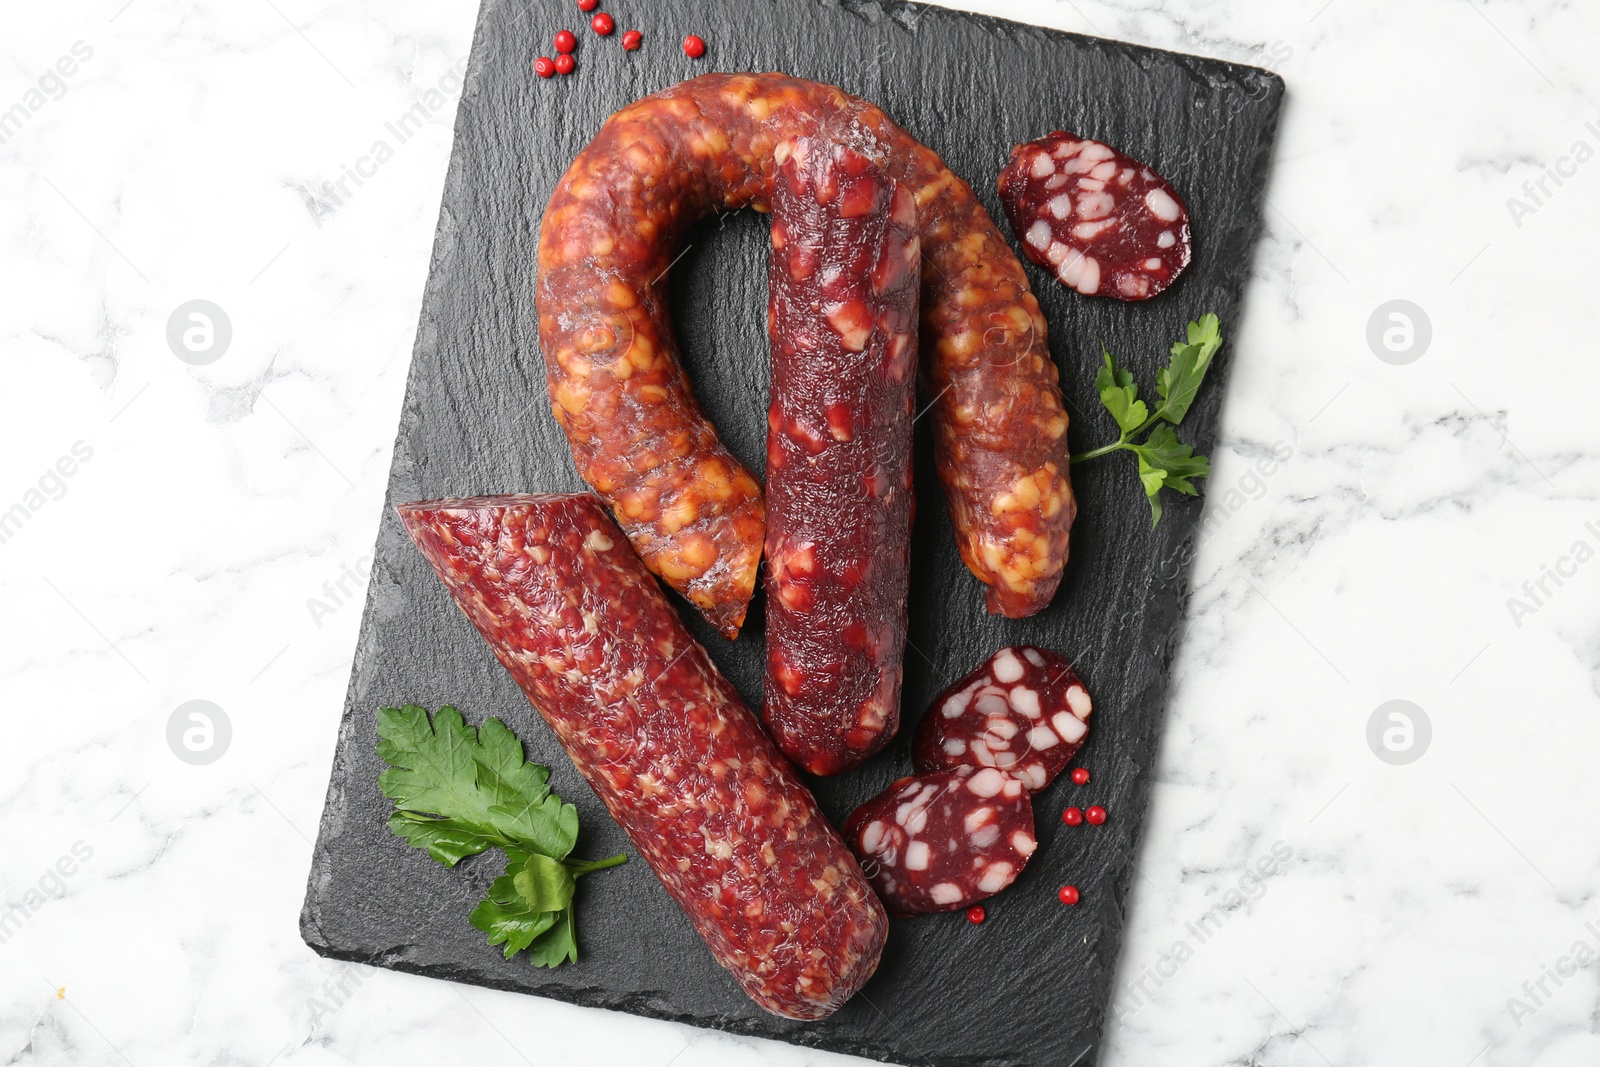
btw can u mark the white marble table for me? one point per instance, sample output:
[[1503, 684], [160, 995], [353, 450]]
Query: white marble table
[[200, 532]]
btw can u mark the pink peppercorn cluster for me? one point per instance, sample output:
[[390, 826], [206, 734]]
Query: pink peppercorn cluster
[[603, 24]]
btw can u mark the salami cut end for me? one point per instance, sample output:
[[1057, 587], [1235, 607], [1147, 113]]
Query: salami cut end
[[1025, 712], [1102, 222], [943, 841]]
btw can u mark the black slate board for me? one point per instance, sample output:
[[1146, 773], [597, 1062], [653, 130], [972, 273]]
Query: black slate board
[[1031, 985]]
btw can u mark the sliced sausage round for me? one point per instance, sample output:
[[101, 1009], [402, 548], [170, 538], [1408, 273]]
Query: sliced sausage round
[[943, 841], [1103, 223], [1024, 711]]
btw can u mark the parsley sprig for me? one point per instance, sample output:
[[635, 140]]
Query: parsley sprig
[[457, 792], [1164, 461]]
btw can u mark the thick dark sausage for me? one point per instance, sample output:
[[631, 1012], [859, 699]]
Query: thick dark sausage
[[610, 233], [663, 739], [842, 312]]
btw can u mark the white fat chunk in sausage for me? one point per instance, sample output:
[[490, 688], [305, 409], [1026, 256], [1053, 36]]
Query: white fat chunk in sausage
[[1043, 166], [977, 817], [1162, 206], [1078, 701], [1023, 843], [1026, 701], [1033, 657], [1167, 239], [918, 854], [1070, 729], [1088, 231], [999, 730], [1032, 776], [986, 783], [993, 701], [1006, 668], [1059, 206], [1104, 172], [1012, 789], [945, 893], [985, 837], [1039, 234], [957, 704], [1089, 276], [996, 877], [872, 836], [1070, 266], [1042, 738], [955, 747], [1095, 205]]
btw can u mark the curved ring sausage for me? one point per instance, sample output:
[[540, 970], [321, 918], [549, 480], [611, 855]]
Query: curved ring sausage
[[609, 235]]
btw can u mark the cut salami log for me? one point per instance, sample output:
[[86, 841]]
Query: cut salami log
[[1102, 222], [944, 841], [842, 311], [663, 739], [1025, 712]]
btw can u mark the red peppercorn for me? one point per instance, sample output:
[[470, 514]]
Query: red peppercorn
[[1080, 776], [631, 39], [588, 5], [1068, 894], [566, 41], [544, 66], [565, 64], [975, 914], [1072, 817], [693, 47], [1095, 815], [602, 24]]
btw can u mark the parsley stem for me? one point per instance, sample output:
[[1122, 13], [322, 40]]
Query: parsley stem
[[1103, 450], [1125, 441], [578, 870]]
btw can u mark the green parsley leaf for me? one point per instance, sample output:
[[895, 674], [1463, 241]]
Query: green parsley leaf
[[460, 791], [509, 920], [1167, 463], [1178, 382], [1120, 395], [556, 945], [1164, 461], [544, 883], [448, 842]]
